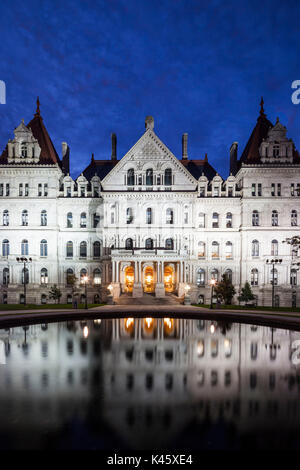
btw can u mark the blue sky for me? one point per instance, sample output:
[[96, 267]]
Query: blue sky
[[102, 66]]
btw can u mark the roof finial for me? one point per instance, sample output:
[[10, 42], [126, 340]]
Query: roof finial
[[37, 113], [262, 111], [92, 160]]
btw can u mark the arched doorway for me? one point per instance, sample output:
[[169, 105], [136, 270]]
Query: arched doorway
[[148, 279], [169, 281], [129, 279]]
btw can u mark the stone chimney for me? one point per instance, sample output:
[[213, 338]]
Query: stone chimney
[[184, 146], [233, 157], [113, 147], [65, 150]]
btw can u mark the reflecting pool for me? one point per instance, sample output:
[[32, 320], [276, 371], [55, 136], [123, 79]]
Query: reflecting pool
[[145, 384]]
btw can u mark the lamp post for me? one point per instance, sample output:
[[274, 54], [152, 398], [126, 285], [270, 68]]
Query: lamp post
[[24, 261], [85, 279], [212, 283], [273, 262]]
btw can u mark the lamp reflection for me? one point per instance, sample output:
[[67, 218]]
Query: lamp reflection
[[168, 326], [129, 325]]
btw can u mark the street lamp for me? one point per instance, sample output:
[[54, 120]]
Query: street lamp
[[24, 261], [85, 280], [212, 283], [273, 262]]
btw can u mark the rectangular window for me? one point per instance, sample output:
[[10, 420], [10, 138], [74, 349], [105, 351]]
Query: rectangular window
[[273, 189], [68, 191], [39, 190], [216, 191], [298, 189], [26, 189], [253, 192], [202, 191], [278, 189], [1, 189], [292, 189], [20, 189], [45, 189], [230, 191], [259, 189]]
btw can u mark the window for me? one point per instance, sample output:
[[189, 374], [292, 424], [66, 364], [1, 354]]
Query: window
[[24, 248], [96, 220], [186, 218], [44, 276], [214, 274], [215, 220], [1, 189], [149, 244], [5, 217], [228, 220], [83, 274], [215, 250], [259, 189], [255, 218], [25, 276], [69, 220], [254, 277], [149, 177], [26, 189], [276, 150], [45, 189], [273, 189], [83, 220], [70, 276], [82, 191], [69, 251], [274, 248], [44, 248], [130, 177], [129, 215], [43, 299], [44, 218], [83, 250], [40, 189], [230, 191], [201, 250], [158, 180], [228, 274], [149, 216], [169, 216], [5, 276], [294, 221], [168, 177], [201, 220], [253, 191], [255, 248], [274, 218], [5, 248], [293, 278], [228, 250], [21, 189], [97, 276], [112, 217], [129, 244], [202, 191], [274, 275], [7, 189], [96, 249], [23, 150], [68, 191], [200, 277], [169, 244], [216, 191], [25, 218]]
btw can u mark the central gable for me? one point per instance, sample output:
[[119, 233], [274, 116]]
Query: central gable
[[149, 153]]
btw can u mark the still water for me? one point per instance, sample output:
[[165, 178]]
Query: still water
[[149, 384]]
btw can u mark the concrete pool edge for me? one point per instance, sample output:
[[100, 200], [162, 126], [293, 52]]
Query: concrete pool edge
[[277, 320]]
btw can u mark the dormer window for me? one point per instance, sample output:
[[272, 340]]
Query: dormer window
[[276, 151], [216, 191], [23, 150], [149, 177]]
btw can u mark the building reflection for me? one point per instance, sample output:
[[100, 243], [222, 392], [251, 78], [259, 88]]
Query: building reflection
[[148, 380]]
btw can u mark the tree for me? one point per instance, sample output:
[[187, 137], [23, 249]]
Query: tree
[[225, 289], [55, 293], [246, 293]]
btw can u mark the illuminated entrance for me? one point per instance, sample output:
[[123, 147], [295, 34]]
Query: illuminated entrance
[[129, 279], [148, 280], [169, 279]]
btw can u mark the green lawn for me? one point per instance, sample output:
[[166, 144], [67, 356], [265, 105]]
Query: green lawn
[[243, 307], [43, 306]]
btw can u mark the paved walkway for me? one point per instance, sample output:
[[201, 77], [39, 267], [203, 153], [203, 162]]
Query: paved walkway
[[147, 299]]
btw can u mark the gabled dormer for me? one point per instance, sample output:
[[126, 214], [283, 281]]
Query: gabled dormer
[[24, 148], [276, 148], [202, 186]]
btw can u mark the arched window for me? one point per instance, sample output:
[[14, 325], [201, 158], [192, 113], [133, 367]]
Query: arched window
[[168, 177], [169, 216], [169, 244], [5, 217], [96, 249], [294, 221], [214, 274], [26, 272], [69, 220], [129, 244], [96, 220], [25, 217], [255, 218], [201, 220], [129, 215], [23, 150], [255, 248], [228, 250], [274, 275], [274, 248], [229, 220], [44, 218], [70, 277], [228, 274], [215, 220], [69, 250], [130, 177], [97, 276], [201, 250], [254, 277], [149, 177], [83, 250], [83, 220], [215, 250], [200, 277], [83, 275], [44, 248], [149, 244], [5, 276], [5, 248], [44, 276], [149, 215], [293, 278], [24, 247], [274, 218]]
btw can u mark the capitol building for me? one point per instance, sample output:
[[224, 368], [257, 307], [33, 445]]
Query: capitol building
[[148, 222]]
